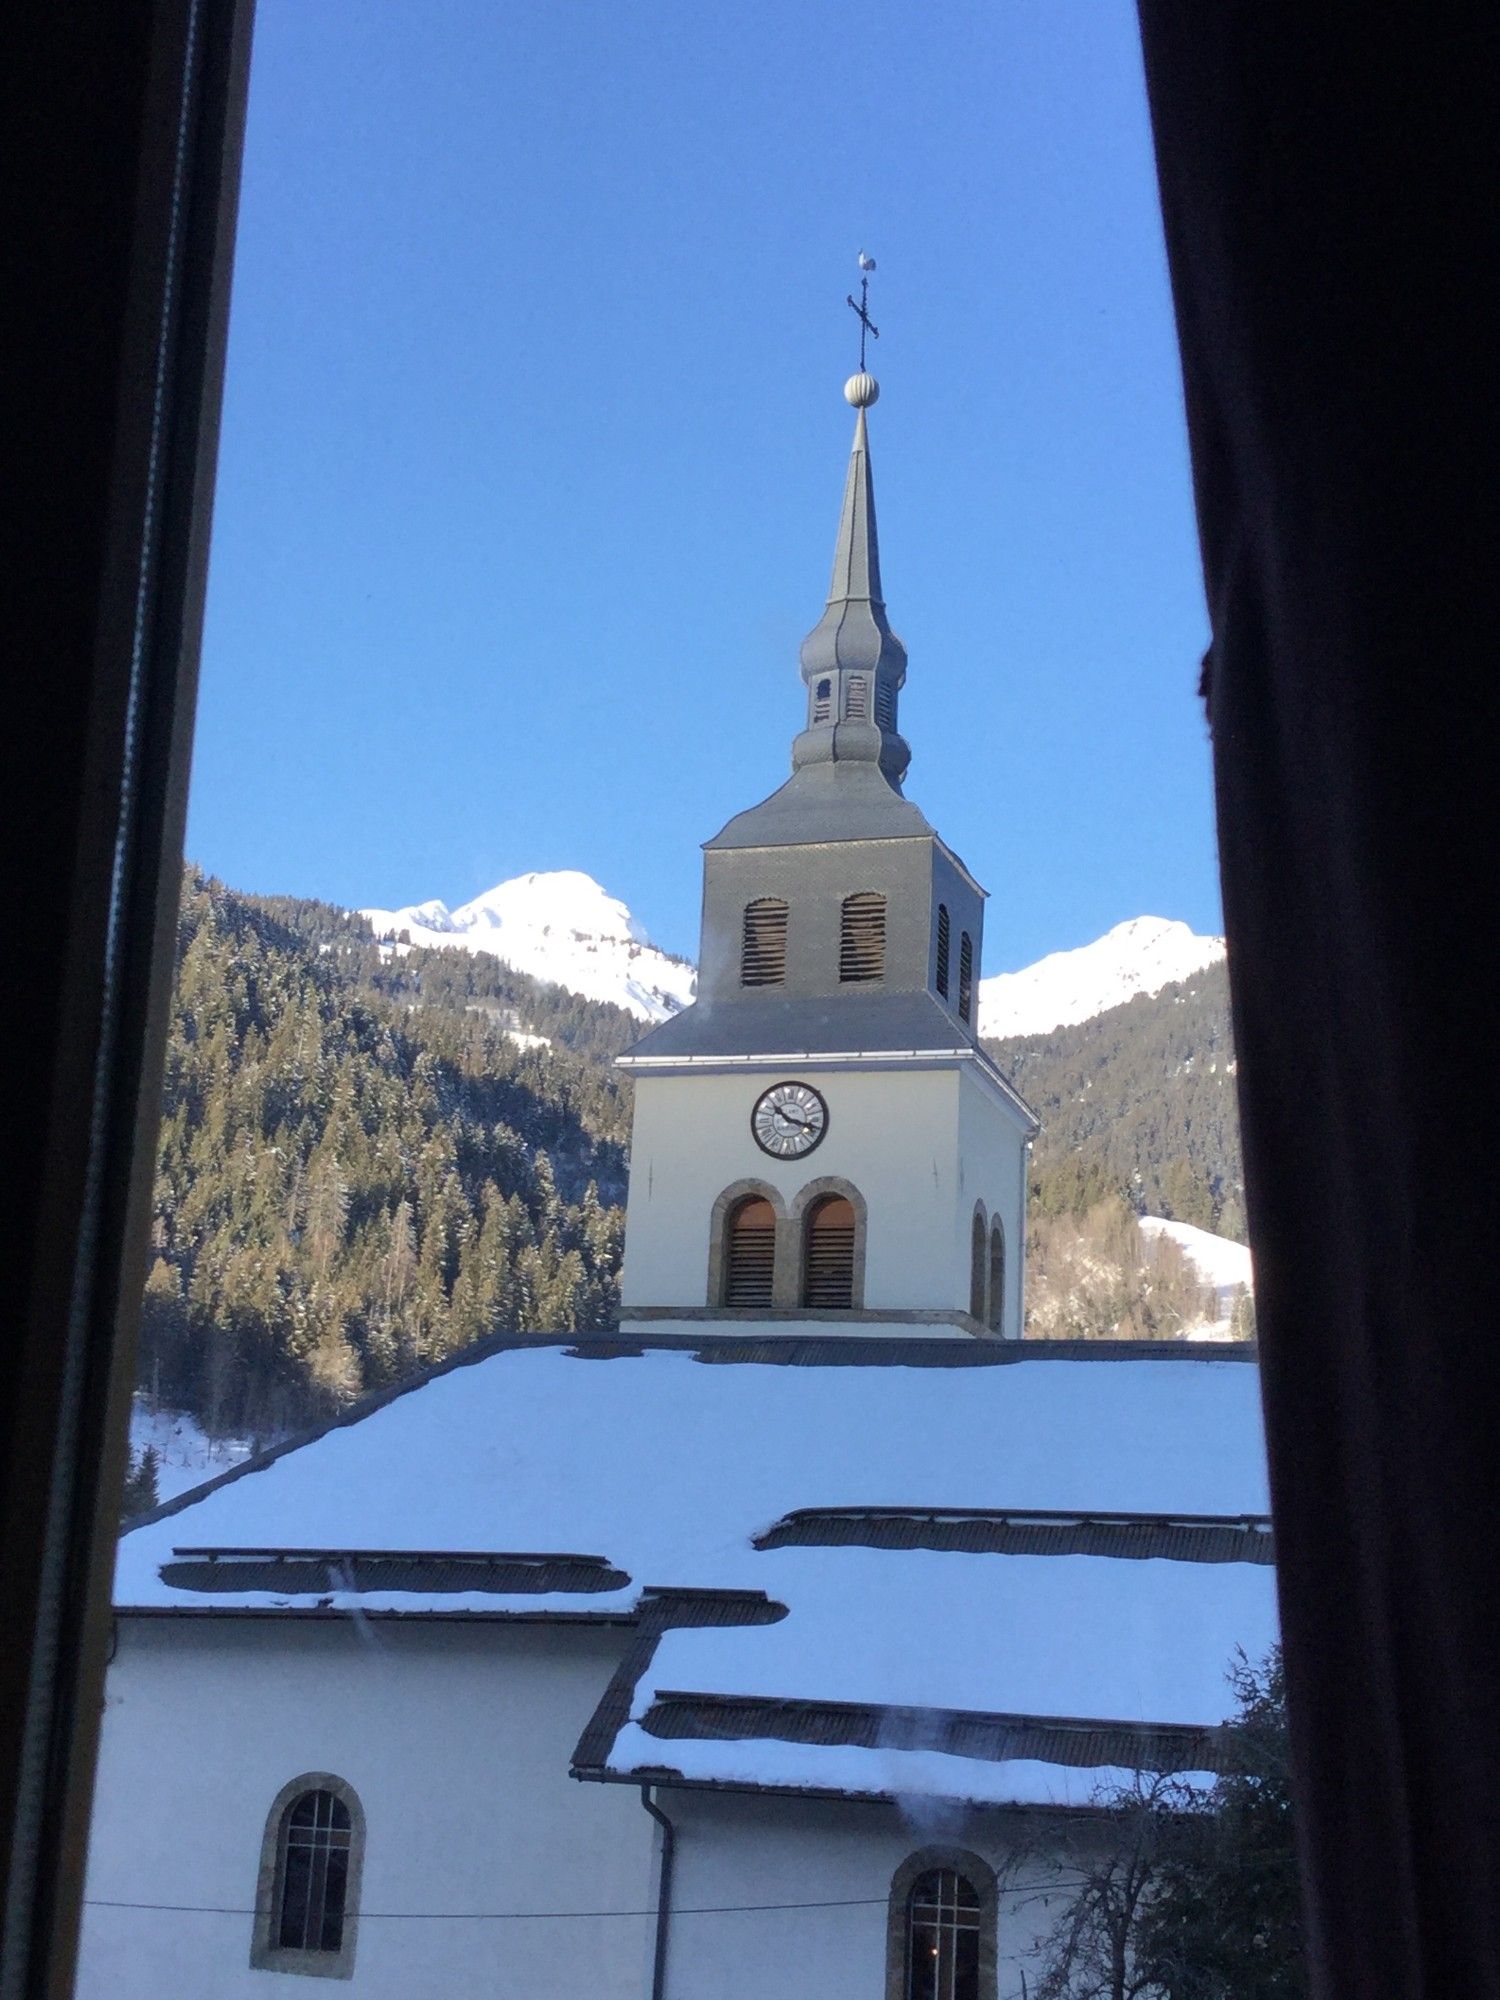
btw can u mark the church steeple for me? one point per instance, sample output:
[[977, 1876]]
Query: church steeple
[[852, 662]]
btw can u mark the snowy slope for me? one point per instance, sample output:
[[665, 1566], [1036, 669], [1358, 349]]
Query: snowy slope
[[1141, 956], [1219, 1262], [560, 927], [185, 1455]]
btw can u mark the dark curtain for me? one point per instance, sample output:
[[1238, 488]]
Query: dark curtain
[[1328, 180]]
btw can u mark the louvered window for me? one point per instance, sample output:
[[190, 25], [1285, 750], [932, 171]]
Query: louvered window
[[943, 942], [750, 1253], [314, 1873], [862, 938], [822, 701], [885, 704], [978, 1258], [965, 976], [763, 943], [828, 1254], [997, 1277], [857, 707], [942, 1937]]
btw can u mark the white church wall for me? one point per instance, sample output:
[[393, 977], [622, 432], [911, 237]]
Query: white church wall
[[743, 1849], [993, 1152], [456, 1738], [892, 1132]]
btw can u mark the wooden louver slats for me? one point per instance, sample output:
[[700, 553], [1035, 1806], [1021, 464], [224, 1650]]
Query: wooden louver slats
[[828, 1255], [750, 1259], [862, 937], [763, 943], [965, 976], [942, 950]]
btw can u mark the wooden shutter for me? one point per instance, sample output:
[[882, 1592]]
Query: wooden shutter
[[750, 1253], [828, 1254], [943, 941], [965, 976], [997, 1276], [862, 937], [763, 943]]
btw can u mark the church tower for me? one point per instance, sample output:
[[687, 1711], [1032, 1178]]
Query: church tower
[[820, 1143]]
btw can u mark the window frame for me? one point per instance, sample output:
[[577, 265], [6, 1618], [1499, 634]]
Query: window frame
[[806, 1198], [979, 1265], [994, 1317], [266, 1953], [980, 1877]]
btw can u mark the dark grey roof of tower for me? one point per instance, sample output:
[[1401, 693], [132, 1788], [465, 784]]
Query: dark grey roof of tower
[[846, 775], [854, 630]]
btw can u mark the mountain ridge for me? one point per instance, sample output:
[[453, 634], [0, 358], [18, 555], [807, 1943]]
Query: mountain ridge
[[563, 927]]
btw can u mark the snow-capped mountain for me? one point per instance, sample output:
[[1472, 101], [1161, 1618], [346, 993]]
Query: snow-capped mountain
[[561, 927], [1141, 956]]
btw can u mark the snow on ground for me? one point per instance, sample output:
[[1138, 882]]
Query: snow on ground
[[561, 927], [1218, 1260], [185, 1455], [1141, 956]]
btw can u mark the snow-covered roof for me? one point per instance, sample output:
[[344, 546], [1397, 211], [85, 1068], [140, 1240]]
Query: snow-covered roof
[[594, 1478]]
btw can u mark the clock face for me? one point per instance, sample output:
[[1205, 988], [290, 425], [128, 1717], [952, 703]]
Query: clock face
[[788, 1120]]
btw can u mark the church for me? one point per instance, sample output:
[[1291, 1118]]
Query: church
[[771, 1645]]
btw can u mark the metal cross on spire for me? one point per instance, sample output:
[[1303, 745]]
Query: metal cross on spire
[[861, 308]]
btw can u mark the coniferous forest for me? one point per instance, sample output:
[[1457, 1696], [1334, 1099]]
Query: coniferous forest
[[367, 1162], [370, 1160]]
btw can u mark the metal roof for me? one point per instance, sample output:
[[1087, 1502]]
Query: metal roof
[[1024, 1532], [318, 1571], [1080, 1742]]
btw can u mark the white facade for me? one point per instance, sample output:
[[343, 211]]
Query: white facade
[[836, 1861], [923, 1141], [478, 1847], [456, 1739]]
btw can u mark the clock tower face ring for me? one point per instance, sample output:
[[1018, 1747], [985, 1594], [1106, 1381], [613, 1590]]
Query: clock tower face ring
[[789, 1120]]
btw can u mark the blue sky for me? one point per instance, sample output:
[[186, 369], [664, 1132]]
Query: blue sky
[[534, 443]]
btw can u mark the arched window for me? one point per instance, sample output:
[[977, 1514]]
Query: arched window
[[862, 938], [822, 701], [943, 1918], [828, 1253], [763, 943], [965, 976], [978, 1261], [997, 1276], [306, 1902], [943, 942], [940, 1937], [750, 1252], [857, 701]]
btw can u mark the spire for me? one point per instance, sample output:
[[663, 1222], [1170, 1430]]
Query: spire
[[852, 662]]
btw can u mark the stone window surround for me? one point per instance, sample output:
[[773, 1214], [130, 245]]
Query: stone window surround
[[786, 1284], [265, 1954], [976, 1871]]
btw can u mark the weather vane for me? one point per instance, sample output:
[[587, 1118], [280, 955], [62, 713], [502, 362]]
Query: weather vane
[[861, 308]]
